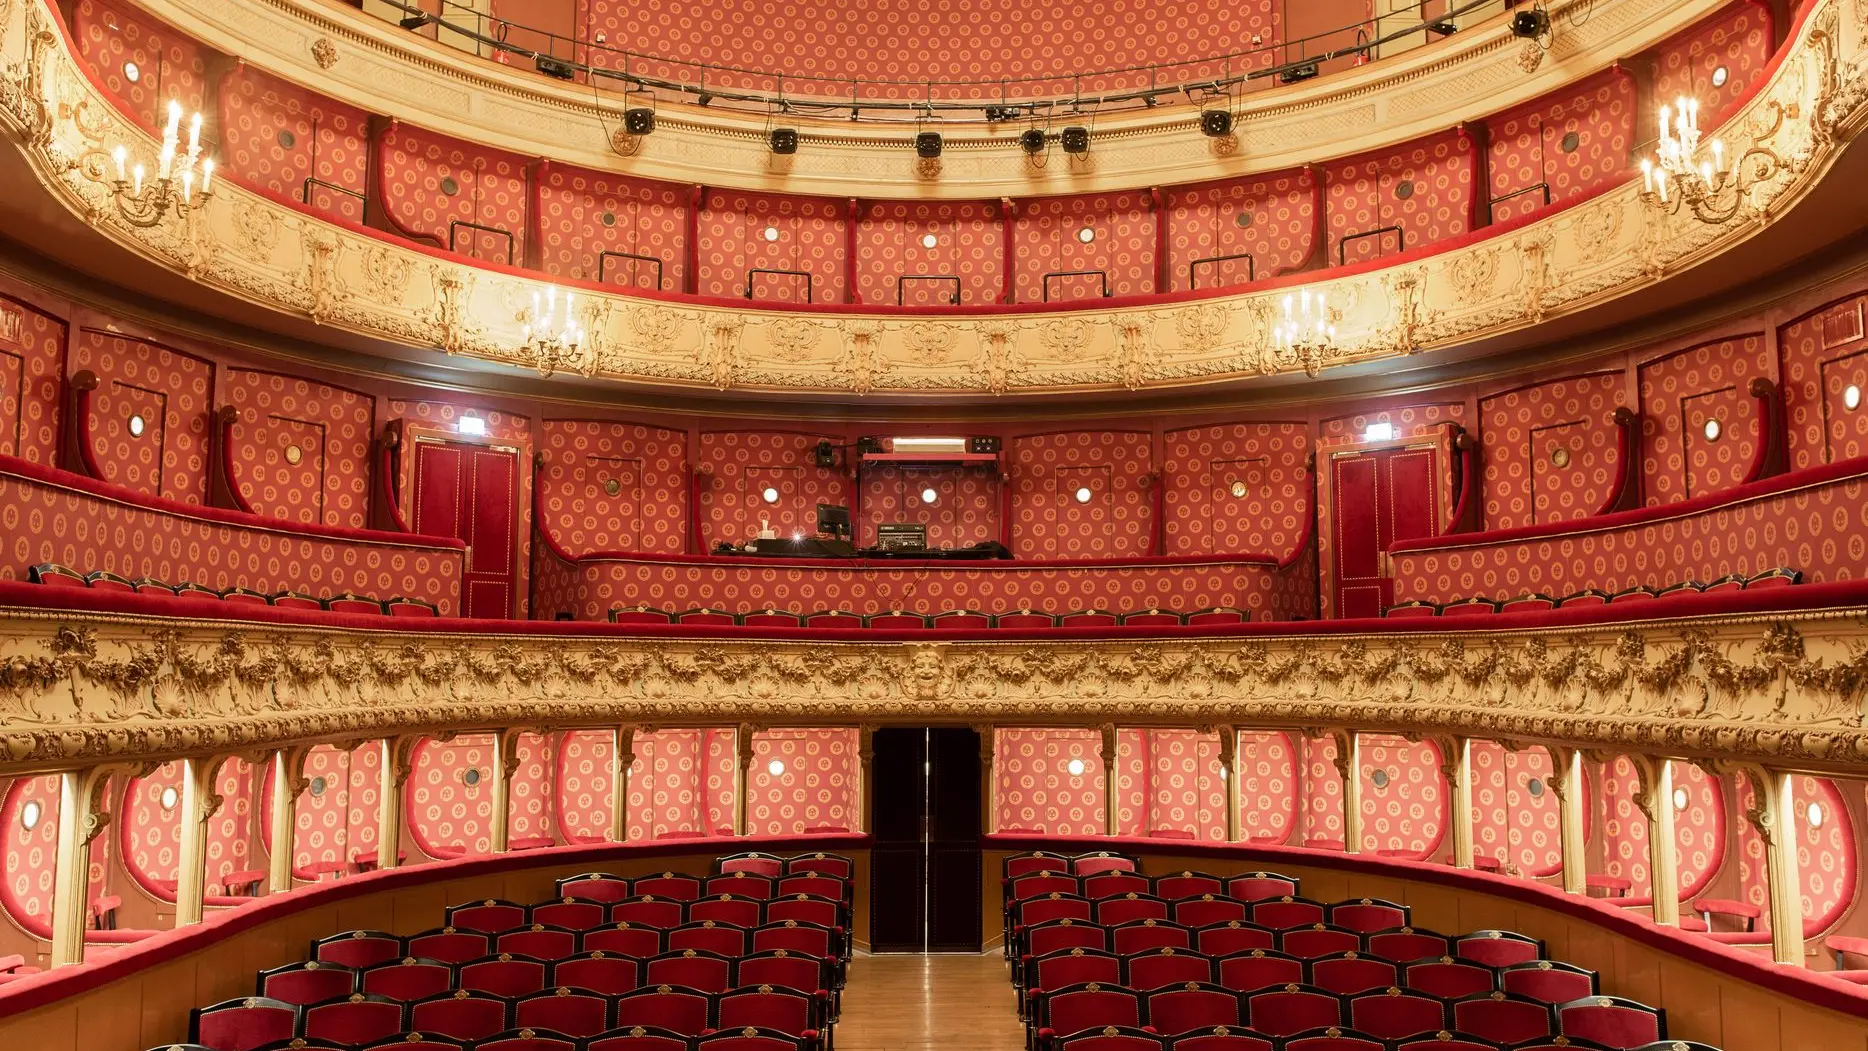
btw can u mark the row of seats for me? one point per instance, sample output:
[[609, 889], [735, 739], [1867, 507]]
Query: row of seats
[[1389, 1015], [1333, 1038], [634, 1038], [954, 618], [51, 573], [540, 941], [683, 888], [1535, 602]]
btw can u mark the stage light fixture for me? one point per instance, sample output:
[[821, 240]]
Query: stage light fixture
[[1216, 123], [1075, 139], [554, 67], [1443, 27], [784, 141], [1298, 73], [1531, 23], [413, 22], [639, 121], [1032, 140], [927, 144]]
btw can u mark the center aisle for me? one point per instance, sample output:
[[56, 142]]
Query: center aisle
[[929, 1003]]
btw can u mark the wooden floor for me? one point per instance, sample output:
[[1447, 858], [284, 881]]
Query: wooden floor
[[929, 1003]]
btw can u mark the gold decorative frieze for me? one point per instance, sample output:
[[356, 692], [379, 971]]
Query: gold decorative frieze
[[1606, 247], [1788, 689]]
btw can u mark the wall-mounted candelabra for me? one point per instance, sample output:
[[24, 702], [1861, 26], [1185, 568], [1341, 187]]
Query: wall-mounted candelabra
[[553, 338], [181, 184]]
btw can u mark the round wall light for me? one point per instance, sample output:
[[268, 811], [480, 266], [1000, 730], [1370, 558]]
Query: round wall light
[[1083, 494], [1720, 76], [1535, 786], [928, 496], [1380, 778], [137, 426], [1238, 489], [776, 767], [1223, 772], [1852, 397], [1815, 815], [1713, 430], [1679, 799], [30, 814], [1086, 235], [470, 776], [170, 797], [1075, 766], [771, 233], [318, 785], [770, 495], [929, 240], [132, 72]]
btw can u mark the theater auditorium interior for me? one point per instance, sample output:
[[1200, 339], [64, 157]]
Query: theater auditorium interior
[[1283, 525]]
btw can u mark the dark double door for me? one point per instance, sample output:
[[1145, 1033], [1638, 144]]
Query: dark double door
[[924, 867]]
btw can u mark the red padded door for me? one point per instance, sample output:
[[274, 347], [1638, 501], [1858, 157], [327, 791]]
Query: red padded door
[[1379, 498], [472, 492]]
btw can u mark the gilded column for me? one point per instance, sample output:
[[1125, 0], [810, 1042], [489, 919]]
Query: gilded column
[[198, 804], [1229, 773], [865, 771], [1111, 818], [1456, 767], [1566, 780], [1775, 817], [1349, 768], [397, 760], [742, 771], [505, 765], [288, 783], [80, 818], [1655, 798], [988, 779], [622, 758]]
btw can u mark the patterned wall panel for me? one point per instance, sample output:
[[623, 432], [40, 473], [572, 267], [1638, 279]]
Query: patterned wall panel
[[586, 213], [614, 486], [31, 346], [1699, 828], [232, 829], [1423, 187], [1049, 473], [1824, 354], [1562, 145], [335, 815], [31, 854], [1271, 218], [1680, 393], [1323, 792], [142, 63], [149, 832], [803, 781], [1270, 787], [170, 391], [1171, 785], [450, 794], [739, 466], [884, 45], [432, 183], [1515, 812], [1237, 488], [891, 243], [295, 143], [329, 426], [1408, 421], [1826, 852], [1404, 797], [1624, 827], [1550, 451], [1737, 40], [583, 785], [1037, 791], [741, 232], [682, 782], [1048, 238], [965, 508], [501, 428]]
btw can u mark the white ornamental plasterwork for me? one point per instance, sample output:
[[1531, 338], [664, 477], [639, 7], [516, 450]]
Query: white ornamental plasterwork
[[1789, 133]]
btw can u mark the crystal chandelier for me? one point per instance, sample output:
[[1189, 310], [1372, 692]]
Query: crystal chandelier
[[143, 202], [1688, 173], [554, 338], [1304, 333]]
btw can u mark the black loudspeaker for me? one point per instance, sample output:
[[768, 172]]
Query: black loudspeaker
[[927, 144], [868, 444], [1075, 139], [554, 67], [1532, 23], [1216, 122], [1032, 140], [824, 455], [1297, 73], [785, 141], [639, 121], [985, 444]]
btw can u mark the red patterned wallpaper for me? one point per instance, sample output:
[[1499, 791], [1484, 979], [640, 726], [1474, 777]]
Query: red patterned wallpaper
[[1515, 813], [31, 855], [1049, 471], [682, 782], [1323, 792], [741, 232], [1679, 394], [87, 533], [1423, 187], [1270, 786], [1047, 237], [586, 213], [1822, 531], [965, 508], [450, 794], [431, 181], [171, 391], [1336, 433], [816, 784], [336, 815], [1036, 789], [1404, 799], [1549, 451], [884, 45], [1826, 853], [1273, 218], [150, 832], [1823, 354], [891, 242], [1737, 39], [1699, 827], [276, 136], [30, 383], [167, 65], [1569, 141], [329, 426], [739, 466], [1203, 466], [502, 428], [583, 785], [647, 466], [1169, 781]]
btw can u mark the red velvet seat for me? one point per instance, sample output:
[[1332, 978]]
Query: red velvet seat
[[757, 863], [1209, 909], [1612, 1021], [895, 619], [808, 938], [1683, 589], [1139, 936], [1172, 886], [1153, 618], [1064, 934], [1214, 615], [1396, 1013], [295, 600], [641, 615], [1231, 937], [411, 607], [1289, 912], [727, 908], [1774, 578], [563, 1010], [1087, 618], [152, 586], [1221, 1039], [417, 1042], [1016, 865], [1449, 979], [961, 618], [1411, 610], [449, 945], [1637, 593], [1192, 1006], [1333, 1038], [489, 917], [1585, 597], [594, 886], [105, 580], [625, 939], [244, 1024], [1470, 607], [649, 910], [308, 982], [597, 971], [1446, 1042], [750, 1040], [1292, 1009], [1351, 973], [527, 1040], [1111, 1038], [705, 617], [1116, 884], [503, 975], [1165, 966], [1024, 618], [1097, 862], [689, 968], [358, 949], [721, 939], [823, 910], [1610, 886], [674, 885], [52, 574], [1074, 1008], [461, 1015], [1368, 915], [245, 597], [189, 589], [639, 1038], [678, 1010], [1739, 912], [1041, 884], [781, 967], [1548, 980], [538, 942], [771, 618], [1497, 948], [1504, 1018], [1318, 940], [407, 979], [827, 864], [1257, 969], [1407, 944], [569, 914], [1067, 967], [790, 1011], [1260, 886], [354, 604], [833, 618], [1532, 603], [1131, 908]]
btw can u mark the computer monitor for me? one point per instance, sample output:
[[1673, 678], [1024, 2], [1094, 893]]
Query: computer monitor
[[833, 520]]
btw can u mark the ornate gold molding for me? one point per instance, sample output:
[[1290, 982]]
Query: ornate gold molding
[[266, 252], [1786, 690]]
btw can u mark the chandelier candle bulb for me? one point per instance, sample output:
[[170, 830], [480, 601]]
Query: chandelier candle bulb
[[120, 154], [138, 172], [188, 186], [207, 175]]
